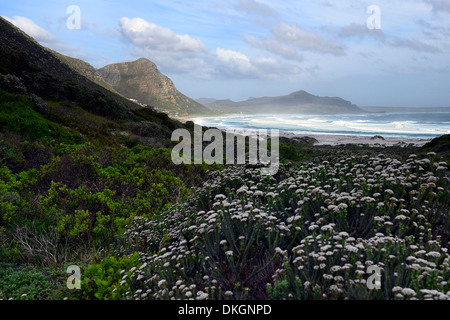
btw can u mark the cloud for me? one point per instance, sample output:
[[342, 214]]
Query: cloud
[[289, 40], [45, 38], [274, 45], [158, 39], [32, 29], [235, 61], [234, 64], [415, 45], [437, 32], [360, 31], [254, 7], [178, 54], [439, 5]]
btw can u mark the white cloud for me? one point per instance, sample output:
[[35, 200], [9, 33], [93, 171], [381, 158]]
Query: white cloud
[[158, 39], [256, 8], [290, 40], [45, 38], [32, 29], [177, 54], [440, 5], [235, 61], [273, 45], [234, 64]]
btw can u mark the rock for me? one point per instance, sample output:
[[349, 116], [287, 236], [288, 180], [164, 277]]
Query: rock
[[142, 81], [306, 140], [439, 145], [377, 138], [12, 84], [39, 104]]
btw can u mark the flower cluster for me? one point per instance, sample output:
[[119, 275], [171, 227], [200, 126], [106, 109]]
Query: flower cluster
[[311, 232]]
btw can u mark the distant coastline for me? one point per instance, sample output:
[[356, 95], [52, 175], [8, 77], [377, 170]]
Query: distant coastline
[[330, 129]]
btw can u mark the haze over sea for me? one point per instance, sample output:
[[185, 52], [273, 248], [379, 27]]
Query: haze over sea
[[415, 125]]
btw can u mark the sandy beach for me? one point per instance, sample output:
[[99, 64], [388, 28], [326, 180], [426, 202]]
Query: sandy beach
[[334, 140]]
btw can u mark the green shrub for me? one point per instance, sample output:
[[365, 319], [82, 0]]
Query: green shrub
[[18, 116], [102, 280], [23, 284]]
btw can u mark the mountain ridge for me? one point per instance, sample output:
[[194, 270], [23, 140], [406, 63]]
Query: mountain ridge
[[66, 92], [296, 102], [142, 81]]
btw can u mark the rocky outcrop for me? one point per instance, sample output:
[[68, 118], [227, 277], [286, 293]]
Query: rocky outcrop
[[141, 80], [13, 84]]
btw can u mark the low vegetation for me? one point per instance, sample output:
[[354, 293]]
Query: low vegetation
[[82, 189]]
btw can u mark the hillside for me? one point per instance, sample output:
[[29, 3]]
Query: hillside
[[296, 102], [141, 80], [84, 69], [61, 89]]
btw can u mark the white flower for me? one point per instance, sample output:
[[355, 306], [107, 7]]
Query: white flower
[[179, 282], [351, 248], [420, 252], [161, 283], [228, 293], [201, 295], [433, 254], [220, 197], [327, 228], [335, 268], [335, 288], [242, 189], [408, 292], [344, 234], [396, 289], [229, 253]]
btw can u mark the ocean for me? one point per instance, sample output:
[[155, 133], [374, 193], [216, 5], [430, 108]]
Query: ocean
[[415, 125]]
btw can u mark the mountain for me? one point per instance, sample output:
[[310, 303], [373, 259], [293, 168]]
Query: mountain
[[84, 69], [141, 80], [71, 94], [296, 102]]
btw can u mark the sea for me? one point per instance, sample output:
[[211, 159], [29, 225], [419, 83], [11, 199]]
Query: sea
[[412, 125]]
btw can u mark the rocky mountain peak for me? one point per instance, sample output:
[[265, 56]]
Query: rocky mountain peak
[[141, 80]]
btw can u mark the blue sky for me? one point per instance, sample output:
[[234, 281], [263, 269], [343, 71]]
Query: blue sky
[[249, 48]]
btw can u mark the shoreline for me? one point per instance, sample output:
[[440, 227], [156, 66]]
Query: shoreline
[[340, 139], [336, 140]]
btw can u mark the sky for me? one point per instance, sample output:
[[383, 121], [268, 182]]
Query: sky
[[373, 53]]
